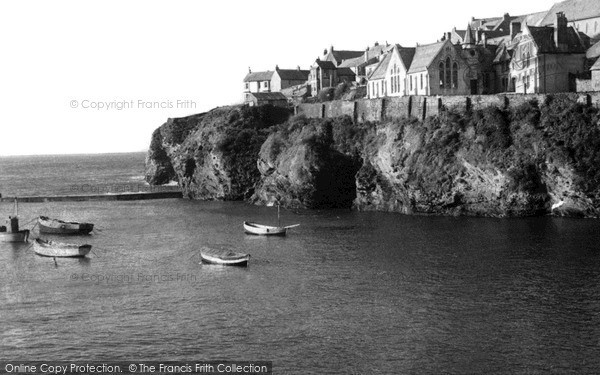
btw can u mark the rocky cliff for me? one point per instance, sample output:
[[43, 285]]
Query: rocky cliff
[[536, 159]]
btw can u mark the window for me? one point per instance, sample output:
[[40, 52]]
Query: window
[[441, 69], [411, 84], [246, 85], [454, 75], [448, 81]]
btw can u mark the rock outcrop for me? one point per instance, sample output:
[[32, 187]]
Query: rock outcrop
[[536, 159], [214, 154]]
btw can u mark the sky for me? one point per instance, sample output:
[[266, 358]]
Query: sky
[[100, 76]]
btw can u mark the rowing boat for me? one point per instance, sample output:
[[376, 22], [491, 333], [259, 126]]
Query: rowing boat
[[266, 230], [58, 249], [55, 226], [223, 257]]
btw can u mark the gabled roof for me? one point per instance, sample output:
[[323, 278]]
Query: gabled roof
[[593, 52], [381, 69], [268, 95], [293, 74], [258, 76], [328, 65], [544, 39], [596, 66], [574, 10], [407, 55], [424, 55]]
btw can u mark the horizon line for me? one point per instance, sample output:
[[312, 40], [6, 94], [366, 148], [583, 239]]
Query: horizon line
[[76, 153]]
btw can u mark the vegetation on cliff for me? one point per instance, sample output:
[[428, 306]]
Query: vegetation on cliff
[[527, 160]]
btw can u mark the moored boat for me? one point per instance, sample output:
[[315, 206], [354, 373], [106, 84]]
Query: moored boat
[[223, 257], [11, 232], [266, 230], [20, 236], [55, 226], [58, 249]]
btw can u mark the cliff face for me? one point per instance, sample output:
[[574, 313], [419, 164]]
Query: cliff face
[[213, 155], [535, 159]]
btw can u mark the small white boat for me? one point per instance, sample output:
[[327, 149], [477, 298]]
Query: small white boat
[[266, 230], [223, 257], [58, 249], [20, 236], [55, 226]]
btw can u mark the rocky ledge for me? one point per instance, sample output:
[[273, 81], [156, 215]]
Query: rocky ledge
[[535, 159]]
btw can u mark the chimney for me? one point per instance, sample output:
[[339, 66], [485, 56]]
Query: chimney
[[449, 35], [249, 70], [276, 67], [506, 17], [325, 52], [560, 32], [376, 44], [515, 28], [298, 67], [330, 48]]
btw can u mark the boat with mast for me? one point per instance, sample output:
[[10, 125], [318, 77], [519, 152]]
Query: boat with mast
[[11, 232]]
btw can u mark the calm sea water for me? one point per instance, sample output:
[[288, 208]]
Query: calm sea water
[[344, 293]]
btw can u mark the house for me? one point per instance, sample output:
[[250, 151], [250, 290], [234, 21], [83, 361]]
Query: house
[[322, 74], [261, 98], [284, 78], [546, 59], [273, 81], [389, 76], [257, 82], [583, 15]]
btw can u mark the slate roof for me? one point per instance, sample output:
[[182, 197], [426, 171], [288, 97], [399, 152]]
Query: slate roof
[[381, 69], [328, 65], [544, 39], [340, 56], [357, 61], [574, 10], [407, 55], [344, 72], [258, 76], [268, 95], [424, 55], [293, 74]]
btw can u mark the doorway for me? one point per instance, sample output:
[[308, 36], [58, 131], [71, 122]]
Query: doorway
[[474, 85]]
